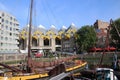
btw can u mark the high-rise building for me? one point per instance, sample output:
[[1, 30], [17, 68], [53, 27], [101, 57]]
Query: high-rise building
[[9, 33]]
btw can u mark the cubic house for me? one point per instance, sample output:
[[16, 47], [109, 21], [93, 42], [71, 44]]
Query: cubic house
[[49, 39]]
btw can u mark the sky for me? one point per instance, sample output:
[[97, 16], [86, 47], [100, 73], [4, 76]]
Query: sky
[[62, 12]]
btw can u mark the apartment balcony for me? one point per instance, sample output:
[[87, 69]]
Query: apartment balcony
[[41, 47], [58, 45]]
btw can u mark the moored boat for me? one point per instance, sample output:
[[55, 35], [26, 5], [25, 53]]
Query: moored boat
[[42, 72]]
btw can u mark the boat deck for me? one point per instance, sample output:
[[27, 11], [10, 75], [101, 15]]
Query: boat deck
[[42, 69]]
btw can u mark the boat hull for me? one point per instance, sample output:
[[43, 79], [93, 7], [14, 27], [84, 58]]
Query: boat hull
[[41, 75]]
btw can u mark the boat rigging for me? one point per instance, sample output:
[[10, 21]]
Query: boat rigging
[[41, 69]]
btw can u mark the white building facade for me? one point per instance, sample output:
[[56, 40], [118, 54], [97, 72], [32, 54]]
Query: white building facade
[[9, 33]]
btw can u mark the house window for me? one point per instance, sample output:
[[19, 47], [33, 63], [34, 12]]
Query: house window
[[6, 21], [1, 44], [46, 42], [57, 41], [2, 31], [6, 38], [10, 23], [2, 14], [1, 38], [2, 20], [11, 18], [10, 29], [2, 26], [10, 34], [6, 27]]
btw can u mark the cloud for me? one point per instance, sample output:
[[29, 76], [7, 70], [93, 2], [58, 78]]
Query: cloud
[[52, 26], [41, 26], [64, 27]]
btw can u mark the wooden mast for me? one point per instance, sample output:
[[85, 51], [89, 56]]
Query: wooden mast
[[106, 44], [29, 38]]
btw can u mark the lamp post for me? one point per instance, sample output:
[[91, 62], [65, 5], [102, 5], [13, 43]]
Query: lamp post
[[62, 43], [25, 42], [50, 39], [72, 42], [38, 35], [72, 39], [50, 43]]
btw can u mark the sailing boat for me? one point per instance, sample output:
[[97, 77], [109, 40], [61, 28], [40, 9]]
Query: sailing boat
[[37, 70]]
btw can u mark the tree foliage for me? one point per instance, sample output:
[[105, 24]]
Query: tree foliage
[[114, 35], [86, 38]]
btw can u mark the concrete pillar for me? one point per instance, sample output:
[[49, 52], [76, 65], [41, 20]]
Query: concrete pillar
[[53, 44], [38, 42], [26, 43], [41, 41]]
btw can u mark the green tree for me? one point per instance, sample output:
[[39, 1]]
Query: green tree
[[86, 38], [115, 35]]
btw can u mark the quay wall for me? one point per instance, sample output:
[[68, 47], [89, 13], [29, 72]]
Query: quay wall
[[12, 57]]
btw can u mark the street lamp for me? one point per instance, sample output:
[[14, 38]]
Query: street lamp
[[72, 42], [38, 35], [71, 37], [50, 39], [62, 43]]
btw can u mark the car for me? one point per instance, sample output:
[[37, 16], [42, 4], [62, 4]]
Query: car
[[39, 54]]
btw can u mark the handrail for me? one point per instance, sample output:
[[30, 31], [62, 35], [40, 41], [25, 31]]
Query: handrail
[[11, 68]]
